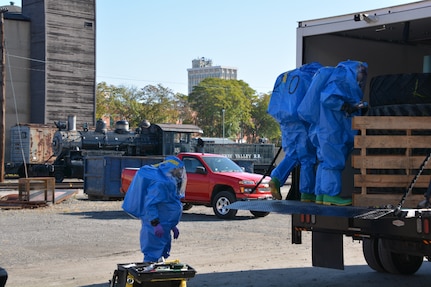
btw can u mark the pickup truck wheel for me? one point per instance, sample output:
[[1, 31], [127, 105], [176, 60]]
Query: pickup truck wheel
[[370, 248], [398, 263], [259, 213], [221, 200]]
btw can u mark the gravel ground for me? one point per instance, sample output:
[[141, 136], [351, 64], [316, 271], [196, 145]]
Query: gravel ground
[[80, 242]]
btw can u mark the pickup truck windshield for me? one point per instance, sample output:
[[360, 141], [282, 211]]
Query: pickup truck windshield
[[222, 164]]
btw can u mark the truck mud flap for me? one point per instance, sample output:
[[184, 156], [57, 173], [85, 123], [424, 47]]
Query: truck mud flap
[[297, 207], [327, 250]]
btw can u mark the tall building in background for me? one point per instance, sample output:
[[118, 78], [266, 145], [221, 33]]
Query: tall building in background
[[202, 68]]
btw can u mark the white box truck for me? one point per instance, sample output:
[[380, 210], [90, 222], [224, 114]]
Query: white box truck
[[387, 175]]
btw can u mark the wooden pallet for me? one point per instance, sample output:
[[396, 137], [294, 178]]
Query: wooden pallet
[[12, 201], [18, 204], [391, 150], [31, 188]]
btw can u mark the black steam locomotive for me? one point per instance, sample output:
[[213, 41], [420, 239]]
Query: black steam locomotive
[[60, 151], [70, 147]]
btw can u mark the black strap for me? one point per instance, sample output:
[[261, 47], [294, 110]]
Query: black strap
[[412, 183], [268, 170]]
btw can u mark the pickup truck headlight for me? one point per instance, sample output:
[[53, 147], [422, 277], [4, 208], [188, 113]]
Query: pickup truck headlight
[[247, 182], [246, 186]]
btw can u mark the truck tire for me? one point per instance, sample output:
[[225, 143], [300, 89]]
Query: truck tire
[[393, 89], [259, 213], [370, 249], [397, 263], [219, 203], [187, 206], [404, 110]]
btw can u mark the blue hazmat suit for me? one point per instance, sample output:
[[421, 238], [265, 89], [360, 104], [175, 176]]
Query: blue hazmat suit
[[289, 90], [309, 111], [335, 134], [154, 196]]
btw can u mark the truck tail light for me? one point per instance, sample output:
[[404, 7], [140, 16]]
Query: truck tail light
[[426, 225], [423, 225], [308, 218]]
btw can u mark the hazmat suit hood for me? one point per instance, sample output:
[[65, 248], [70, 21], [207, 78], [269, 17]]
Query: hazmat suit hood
[[173, 168], [357, 70], [289, 90], [343, 85], [311, 68], [170, 163], [169, 171], [355, 74]]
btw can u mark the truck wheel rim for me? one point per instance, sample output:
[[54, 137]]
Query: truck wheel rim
[[221, 205]]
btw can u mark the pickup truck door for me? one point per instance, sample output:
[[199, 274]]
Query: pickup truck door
[[197, 189]]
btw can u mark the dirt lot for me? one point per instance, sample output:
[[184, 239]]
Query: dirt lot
[[80, 242]]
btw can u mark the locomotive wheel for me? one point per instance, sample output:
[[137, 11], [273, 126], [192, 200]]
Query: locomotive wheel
[[397, 263], [21, 171], [370, 248], [221, 200], [59, 176]]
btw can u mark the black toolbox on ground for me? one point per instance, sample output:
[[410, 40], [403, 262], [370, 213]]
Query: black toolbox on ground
[[166, 274]]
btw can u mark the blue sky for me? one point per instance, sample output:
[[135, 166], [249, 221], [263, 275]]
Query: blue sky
[[150, 42]]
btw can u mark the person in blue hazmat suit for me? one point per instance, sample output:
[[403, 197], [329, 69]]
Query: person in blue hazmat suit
[[289, 90], [154, 196], [309, 111], [340, 100]]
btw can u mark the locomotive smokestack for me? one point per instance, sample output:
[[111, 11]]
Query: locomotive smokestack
[[71, 123]]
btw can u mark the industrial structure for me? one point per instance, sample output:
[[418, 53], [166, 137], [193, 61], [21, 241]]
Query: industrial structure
[[50, 70], [202, 68]]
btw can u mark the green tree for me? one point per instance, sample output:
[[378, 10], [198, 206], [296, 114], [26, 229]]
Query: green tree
[[156, 104], [103, 99], [264, 124], [212, 96], [118, 103], [244, 111], [186, 113], [161, 105]]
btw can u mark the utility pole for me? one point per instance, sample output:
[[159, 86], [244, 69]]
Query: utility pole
[[223, 111], [2, 96]]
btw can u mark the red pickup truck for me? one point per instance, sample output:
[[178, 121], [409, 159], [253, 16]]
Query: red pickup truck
[[214, 181]]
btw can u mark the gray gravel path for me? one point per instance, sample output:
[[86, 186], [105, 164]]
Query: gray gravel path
[[80, 242]]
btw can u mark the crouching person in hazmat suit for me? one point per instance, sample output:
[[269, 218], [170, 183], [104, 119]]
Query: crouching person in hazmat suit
[[289, 90], [340, 100], [154, 196]]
